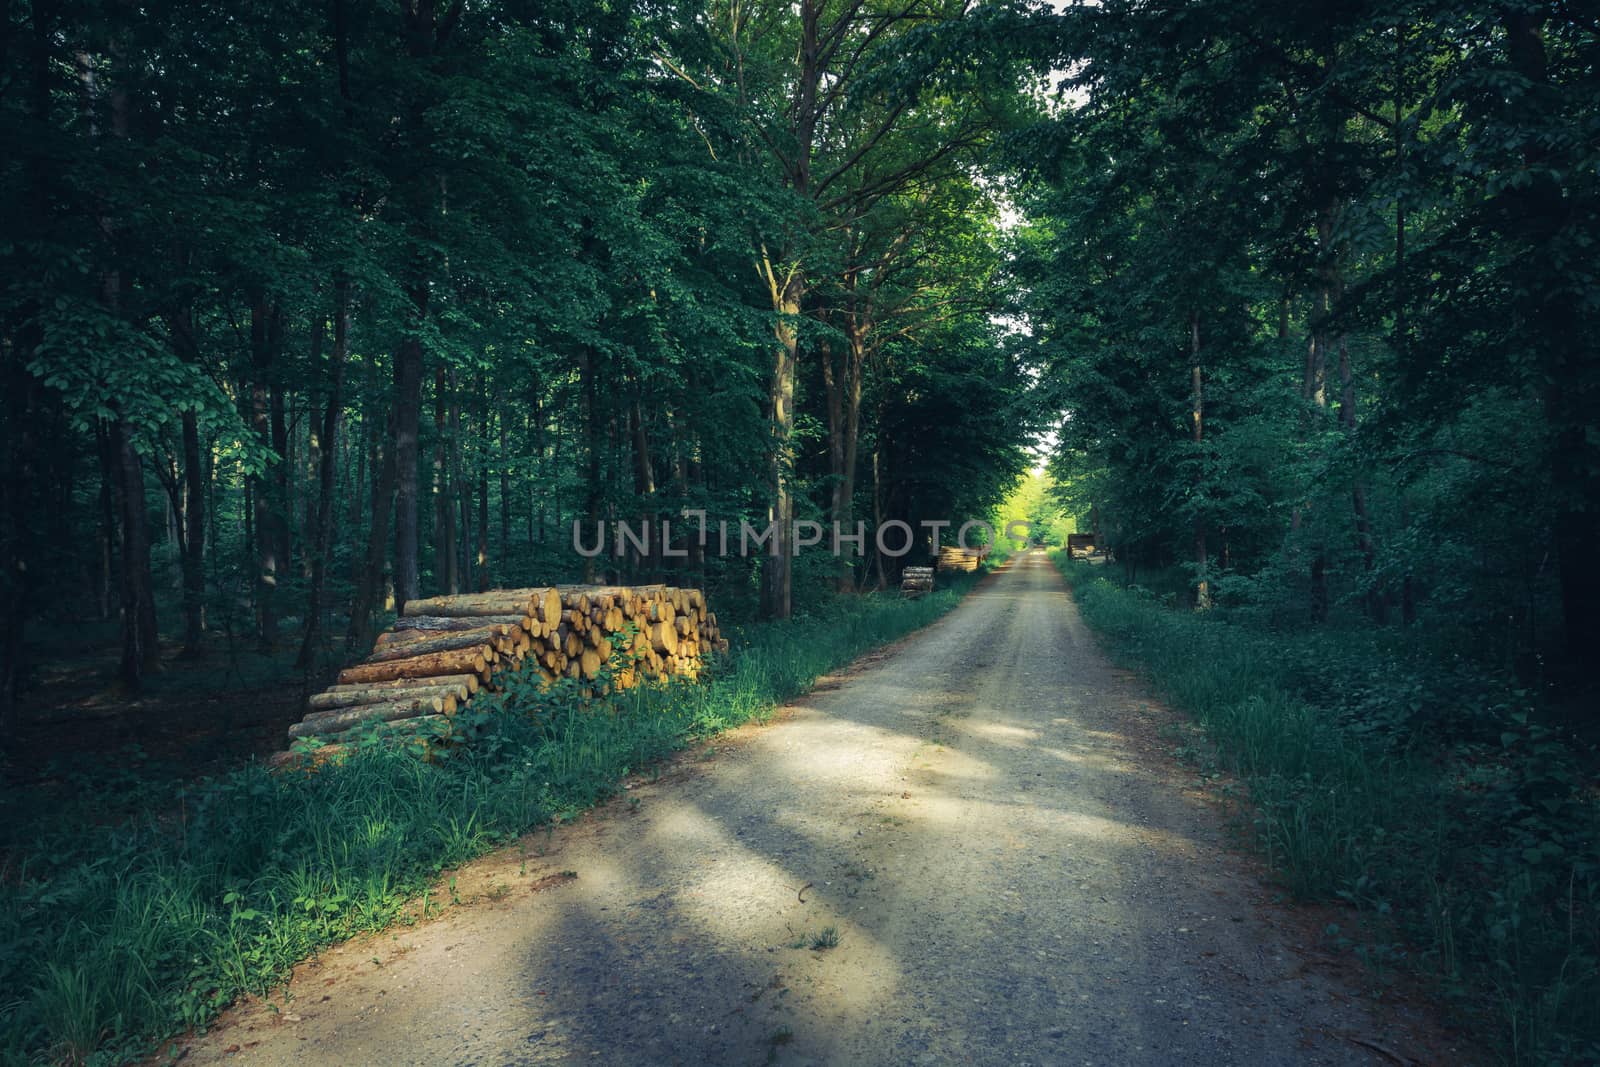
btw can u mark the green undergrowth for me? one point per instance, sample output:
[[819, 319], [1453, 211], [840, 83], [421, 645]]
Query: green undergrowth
[[1411, 785], [145, 908]]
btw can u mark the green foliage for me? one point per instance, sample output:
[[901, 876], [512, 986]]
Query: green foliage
[[1411, 786], [1033, 501], [116, 929], [1330, 223]]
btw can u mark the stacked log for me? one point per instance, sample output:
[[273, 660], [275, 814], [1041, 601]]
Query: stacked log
[[443, 650], [915, 581], [956, 558]]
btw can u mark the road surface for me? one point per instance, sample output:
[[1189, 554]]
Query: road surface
[[985, 817]]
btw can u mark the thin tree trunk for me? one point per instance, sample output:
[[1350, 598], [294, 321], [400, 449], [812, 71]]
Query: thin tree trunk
[[444, 536], [408, 404], [644, 479], [1358, 497], [194, 539], [505, 491], [1202, 586], [460, 490], [193, 498], [321, 544], [369, 583], [591, 451], [140, 643], [265, 428]]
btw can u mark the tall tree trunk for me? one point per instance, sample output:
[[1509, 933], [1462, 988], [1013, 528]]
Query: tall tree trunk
[[193, 502], [505, 491], [1314, 386], [1202, 585], [444, 532], [321, 546], [841, 378], [1358, 495], [266, 429], [460, 496], [481, 556], [194, 538], [644, 479], [106, 528], [369, 581], [140, 642], [407, 413], [777, 575], [591, 451]]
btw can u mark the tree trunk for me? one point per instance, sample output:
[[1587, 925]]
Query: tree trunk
[[194, 539], [481, 556], [444, 532], [140, 643], [778, 568], [408, 405], [1314, 385], [1202, 586], [460, 496], [321, 546], [1358, 496], [264, 426], [644, 479], [591, 450], [193, 497], [369, 581]]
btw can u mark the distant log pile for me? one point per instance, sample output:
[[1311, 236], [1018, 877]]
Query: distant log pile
[[445, 649], [915, 581], [955, 558]]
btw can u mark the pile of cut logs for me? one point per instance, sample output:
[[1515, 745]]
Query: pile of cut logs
[[955, 558], [442, 650], [915, 581]]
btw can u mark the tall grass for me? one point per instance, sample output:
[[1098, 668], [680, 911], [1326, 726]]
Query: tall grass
[[117, 929], [1469, 828]]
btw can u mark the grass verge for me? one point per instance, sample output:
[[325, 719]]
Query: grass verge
[[146, 909], [1468, 826]]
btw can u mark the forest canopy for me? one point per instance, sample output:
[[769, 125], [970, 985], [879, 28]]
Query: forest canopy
[[311, 309]]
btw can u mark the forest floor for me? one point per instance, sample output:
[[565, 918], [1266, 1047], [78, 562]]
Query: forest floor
[[194, 717], [973, 846]]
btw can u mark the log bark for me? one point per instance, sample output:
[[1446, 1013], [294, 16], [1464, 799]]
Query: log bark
[[334, 722], [500, 602], [410, 649], [462, 661], [356, 696], [472, 683], [447, 624]]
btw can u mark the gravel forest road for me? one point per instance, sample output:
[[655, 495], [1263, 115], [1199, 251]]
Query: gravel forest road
[[985, 816]]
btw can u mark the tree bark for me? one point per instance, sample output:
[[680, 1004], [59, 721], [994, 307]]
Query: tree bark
[[408, 405], [265, 427], [444, 531], [777, 575], [591, 450], [193, 498], [1358, 495], [140, 641], [328, 437], [369, 581], [1202, 585]]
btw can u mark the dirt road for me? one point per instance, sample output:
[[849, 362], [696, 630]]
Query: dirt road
[[985, 818]]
